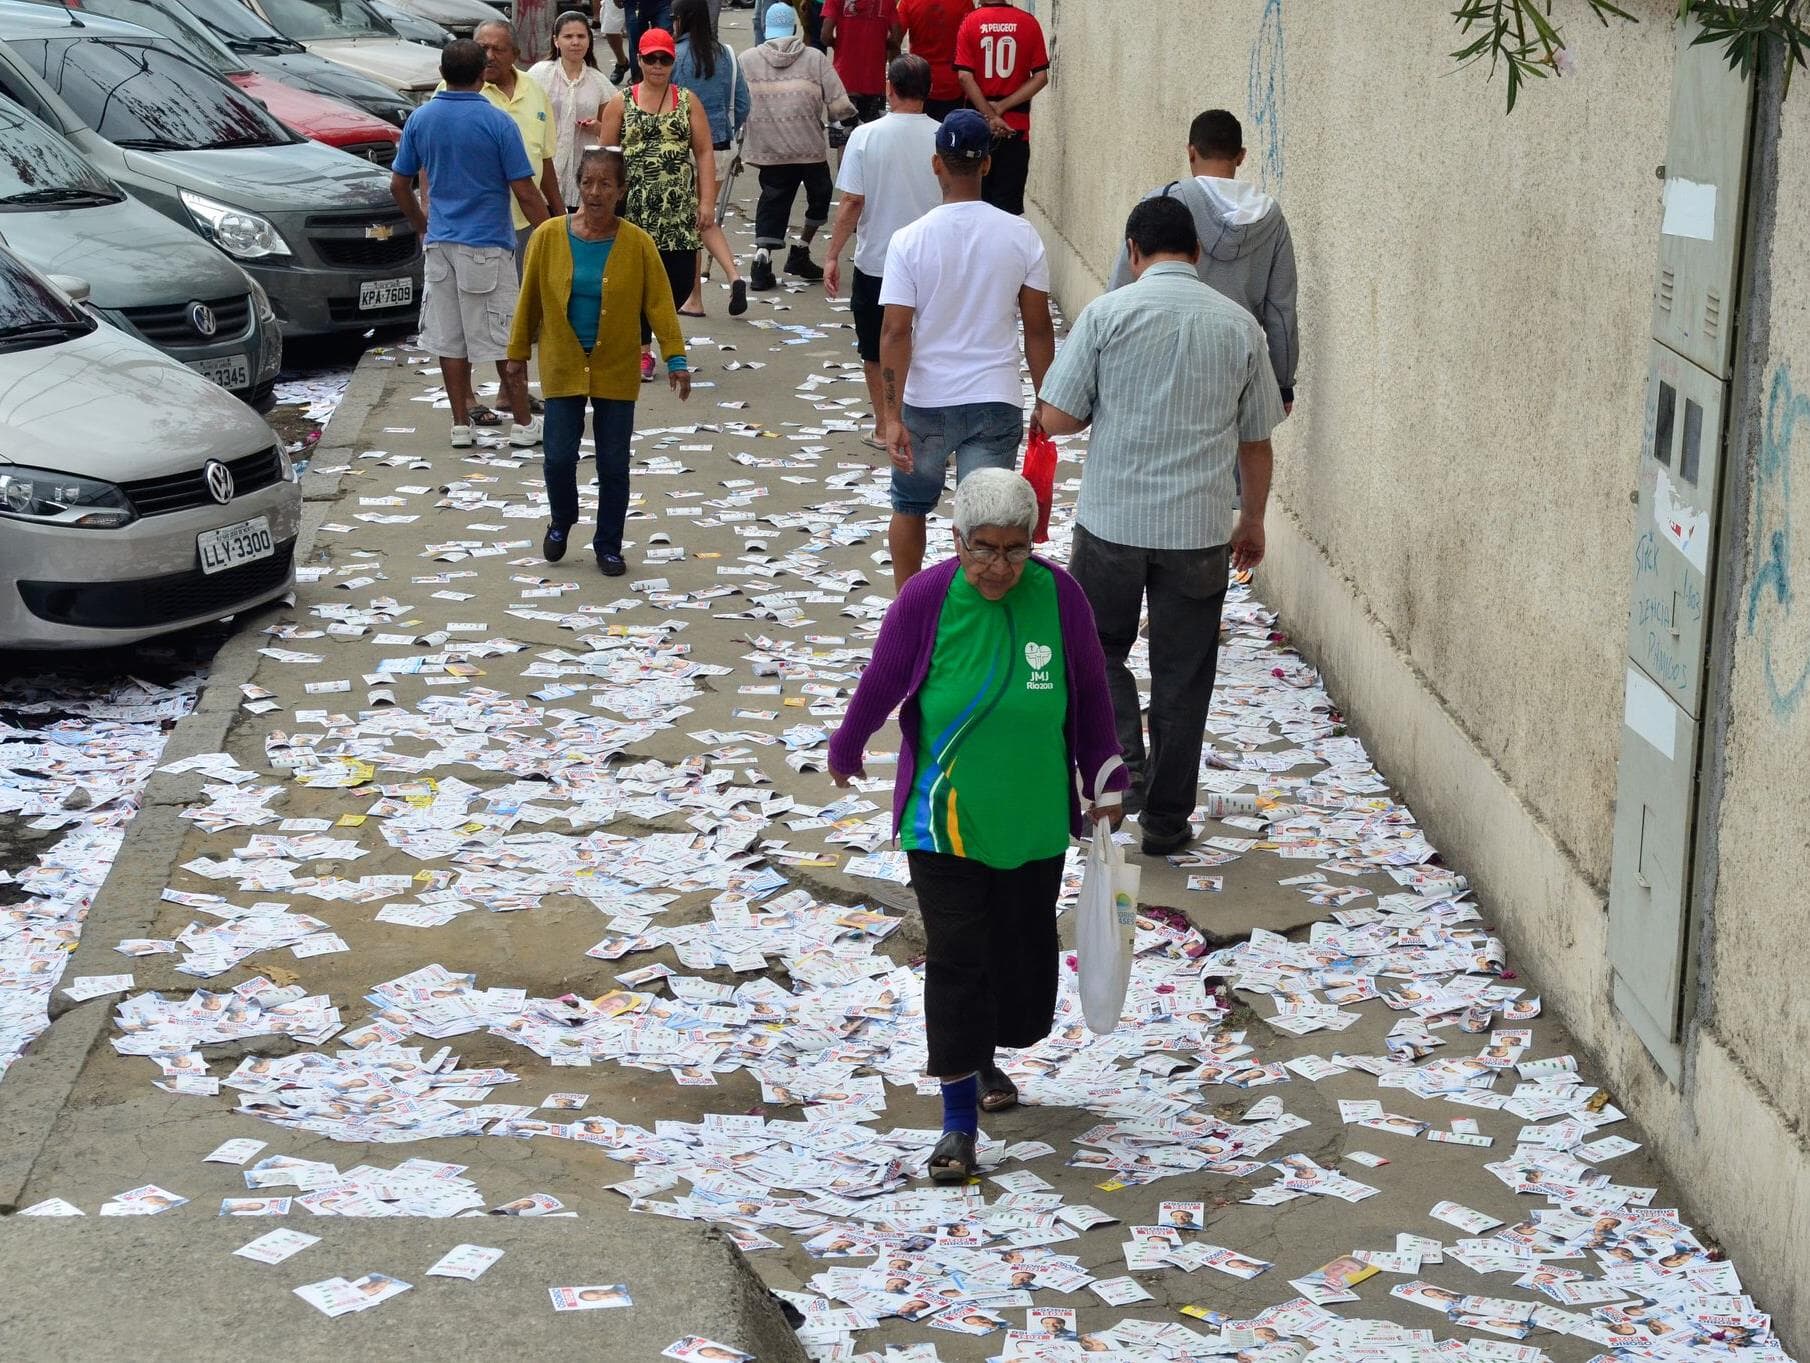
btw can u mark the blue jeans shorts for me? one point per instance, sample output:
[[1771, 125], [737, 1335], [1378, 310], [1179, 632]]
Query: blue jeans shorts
[[976, 435]]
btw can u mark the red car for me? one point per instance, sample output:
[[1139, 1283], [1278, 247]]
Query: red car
[[313, 116], [323, 120]]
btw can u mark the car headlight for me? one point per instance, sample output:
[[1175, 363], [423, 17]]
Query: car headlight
[[261, 301], [420, 94], [233, 230], [63, 498], [392, 111]]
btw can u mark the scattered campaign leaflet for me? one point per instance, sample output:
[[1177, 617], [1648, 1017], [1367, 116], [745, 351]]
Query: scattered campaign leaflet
[[469, 1262], [276, 1246], [597, 1298]]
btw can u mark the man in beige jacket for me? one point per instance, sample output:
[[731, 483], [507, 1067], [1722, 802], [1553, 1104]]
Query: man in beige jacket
[[795, 90]]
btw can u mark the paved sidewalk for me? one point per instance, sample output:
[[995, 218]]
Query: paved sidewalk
[[532, 750]]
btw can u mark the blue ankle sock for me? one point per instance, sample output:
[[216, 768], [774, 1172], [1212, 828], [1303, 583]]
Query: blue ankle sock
[[961, 1105]]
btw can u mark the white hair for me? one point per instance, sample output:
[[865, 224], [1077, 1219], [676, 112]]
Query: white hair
[[994, 497]]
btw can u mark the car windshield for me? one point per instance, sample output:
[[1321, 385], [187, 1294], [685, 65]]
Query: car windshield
[[309, 20], [40, 169], [174, 22], [32, 313], [238, 26], [149, 97]]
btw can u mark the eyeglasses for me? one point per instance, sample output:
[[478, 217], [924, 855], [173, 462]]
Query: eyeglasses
[[655, 59], [986, 555]]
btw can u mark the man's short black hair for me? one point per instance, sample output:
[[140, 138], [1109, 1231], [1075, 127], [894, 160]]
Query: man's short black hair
[[462, 62], [1217, 134], [1162, 226], [909, 76]]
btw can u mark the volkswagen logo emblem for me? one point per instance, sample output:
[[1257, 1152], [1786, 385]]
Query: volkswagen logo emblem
[[201, 317], [219, 480]]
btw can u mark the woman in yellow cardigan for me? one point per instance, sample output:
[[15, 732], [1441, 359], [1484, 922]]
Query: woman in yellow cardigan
[[588, 280]]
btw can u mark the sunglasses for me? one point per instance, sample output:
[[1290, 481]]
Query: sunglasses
[[656, 59]]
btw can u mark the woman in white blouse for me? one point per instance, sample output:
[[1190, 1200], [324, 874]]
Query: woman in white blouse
[[577, 90]]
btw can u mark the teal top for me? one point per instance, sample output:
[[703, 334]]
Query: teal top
[[585, 307], [992, 774]]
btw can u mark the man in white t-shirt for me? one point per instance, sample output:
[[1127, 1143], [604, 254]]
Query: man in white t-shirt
[[955, 285], [886, 182]]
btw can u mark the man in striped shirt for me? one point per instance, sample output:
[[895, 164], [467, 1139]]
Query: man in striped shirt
[[1176, 382]]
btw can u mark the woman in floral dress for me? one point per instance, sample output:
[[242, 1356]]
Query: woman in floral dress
[[664, 134]]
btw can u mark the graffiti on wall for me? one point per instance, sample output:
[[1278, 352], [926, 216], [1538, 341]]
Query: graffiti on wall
[[1784, 651], [1268, 86]]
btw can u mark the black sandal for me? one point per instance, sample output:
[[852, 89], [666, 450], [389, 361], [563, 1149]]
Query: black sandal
[[997, 1091], [483, 416], [953, 1160]]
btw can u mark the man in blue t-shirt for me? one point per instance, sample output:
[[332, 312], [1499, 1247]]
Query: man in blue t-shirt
[[469, 156]]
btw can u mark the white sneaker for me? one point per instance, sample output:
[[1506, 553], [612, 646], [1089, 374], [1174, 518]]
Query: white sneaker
[[523, 436], [461, 437]]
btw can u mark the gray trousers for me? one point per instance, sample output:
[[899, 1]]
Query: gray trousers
[[1186, 591]]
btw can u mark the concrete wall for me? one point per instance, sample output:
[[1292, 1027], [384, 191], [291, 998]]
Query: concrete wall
[[1452, 533]]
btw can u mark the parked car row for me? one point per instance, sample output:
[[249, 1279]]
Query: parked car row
[[183, 183]]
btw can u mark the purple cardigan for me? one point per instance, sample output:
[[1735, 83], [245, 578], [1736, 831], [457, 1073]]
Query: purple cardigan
[[901, 661]]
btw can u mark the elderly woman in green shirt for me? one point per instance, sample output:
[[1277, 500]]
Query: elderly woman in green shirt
[[993, 663]]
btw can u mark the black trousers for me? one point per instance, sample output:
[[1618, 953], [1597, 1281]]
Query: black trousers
[[939, 109], [681, 274], [1186, 591], [1003, 186], [991, 956], [779, 187]]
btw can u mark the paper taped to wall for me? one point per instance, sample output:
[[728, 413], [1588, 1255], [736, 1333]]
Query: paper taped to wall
[[1648, 711], [1690, 210], [1684, 527]]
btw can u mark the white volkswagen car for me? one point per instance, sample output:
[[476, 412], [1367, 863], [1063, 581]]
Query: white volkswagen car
[[136, 497]]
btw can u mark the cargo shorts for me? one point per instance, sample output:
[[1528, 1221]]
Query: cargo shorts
[[467, 301]]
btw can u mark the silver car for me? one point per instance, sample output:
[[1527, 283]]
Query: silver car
[[353, 34], [135, 496], [143, 273]]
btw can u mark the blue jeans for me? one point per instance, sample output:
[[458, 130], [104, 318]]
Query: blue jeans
[[612, 426], [976, 435], [643, 15]]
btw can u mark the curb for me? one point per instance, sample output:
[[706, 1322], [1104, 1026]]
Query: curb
[[34, 1091]]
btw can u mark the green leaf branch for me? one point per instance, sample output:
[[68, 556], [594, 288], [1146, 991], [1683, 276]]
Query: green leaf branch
[[1521, 39]]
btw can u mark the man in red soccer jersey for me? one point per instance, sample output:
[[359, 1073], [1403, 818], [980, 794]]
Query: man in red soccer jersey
[[930, 28], [860, 34], [1002, 62]]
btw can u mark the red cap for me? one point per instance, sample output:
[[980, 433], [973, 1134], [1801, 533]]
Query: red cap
[[657, 40]]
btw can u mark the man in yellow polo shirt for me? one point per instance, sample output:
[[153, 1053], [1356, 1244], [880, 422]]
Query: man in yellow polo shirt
[[512, 91]]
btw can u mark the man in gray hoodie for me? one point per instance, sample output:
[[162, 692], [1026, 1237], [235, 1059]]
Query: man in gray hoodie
[[795, 92], [1246, 252]]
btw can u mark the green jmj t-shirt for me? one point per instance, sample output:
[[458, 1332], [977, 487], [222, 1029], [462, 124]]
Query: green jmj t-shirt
[[992, 776]]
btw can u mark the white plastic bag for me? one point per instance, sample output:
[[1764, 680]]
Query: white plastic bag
[[1105, 926]]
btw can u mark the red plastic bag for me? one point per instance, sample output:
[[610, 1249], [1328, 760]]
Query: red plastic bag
[[1040, 473]]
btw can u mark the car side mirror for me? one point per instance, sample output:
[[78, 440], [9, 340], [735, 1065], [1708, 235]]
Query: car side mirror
[[73, 285]]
